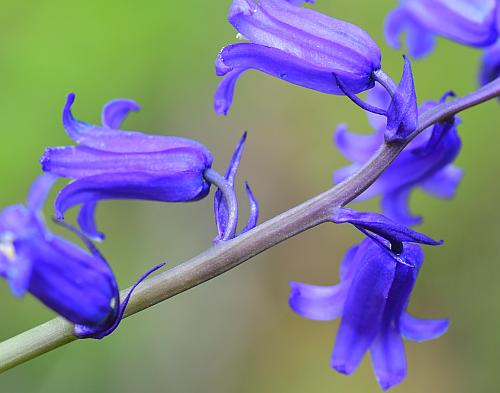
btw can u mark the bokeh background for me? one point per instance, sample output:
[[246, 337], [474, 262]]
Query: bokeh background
[[236, 333]]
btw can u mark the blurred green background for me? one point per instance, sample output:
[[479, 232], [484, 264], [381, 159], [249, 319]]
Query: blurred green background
[[236, 333]]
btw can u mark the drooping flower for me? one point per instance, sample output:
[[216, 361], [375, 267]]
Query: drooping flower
[[470, 22], [109, 163], [426, 162], [78, 285], [298, 45], [371, 299], [223, 214], [490, 66]]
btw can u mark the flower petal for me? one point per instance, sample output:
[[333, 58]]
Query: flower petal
[[402, 117], [363, 309], [444, 183], [357, 147], [420, 41], [490, 65], [39, 191], [322, 303], [223, 96], [395, 205], [388, 358], [178, 187], [422, 329], [111, 140], [379, 98], [115, 111], [86, 221], [18, 274]]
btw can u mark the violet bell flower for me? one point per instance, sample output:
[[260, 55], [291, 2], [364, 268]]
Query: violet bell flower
[[371, 299], [426, 162], [470, 22], [109, 163], [298, 45], [78, 285]]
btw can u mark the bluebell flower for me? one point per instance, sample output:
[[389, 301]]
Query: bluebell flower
[[222, 212], [490, 67], [371, 299], [298, 45], [78, 285], [109, 163], [470, 22], [426, 162]]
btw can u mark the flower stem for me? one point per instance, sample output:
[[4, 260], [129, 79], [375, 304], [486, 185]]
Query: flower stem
[[227, 255]]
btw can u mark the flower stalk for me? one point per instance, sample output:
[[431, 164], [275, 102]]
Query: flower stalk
[[227, 255]]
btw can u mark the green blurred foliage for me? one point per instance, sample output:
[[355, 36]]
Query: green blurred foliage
[[236, 333]]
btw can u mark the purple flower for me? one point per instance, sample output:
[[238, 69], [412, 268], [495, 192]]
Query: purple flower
[[298, 45], [470, 22], [114, 164], [426, 162], [371, 299], [490, 68], [78, 285]]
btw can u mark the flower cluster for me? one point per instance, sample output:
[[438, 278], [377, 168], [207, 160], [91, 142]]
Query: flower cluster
[[470, 22], [108, 163], [312, 50]]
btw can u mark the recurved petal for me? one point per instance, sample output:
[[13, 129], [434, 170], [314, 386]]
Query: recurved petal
[[223, 96], [112, 140], [39, 191], [422, 329], [177, 187], [420, 41], [395, 205], [86, 221], [388, 358], [402, 116], [444, 183], [363, 309], [357, 148], [322, 303], [115, 111]]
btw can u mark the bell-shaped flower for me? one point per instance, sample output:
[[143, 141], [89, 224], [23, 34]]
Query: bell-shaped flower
[[371, 300], [426, 162], [470, 22], [109, 163], [298, 45], [78, 285]]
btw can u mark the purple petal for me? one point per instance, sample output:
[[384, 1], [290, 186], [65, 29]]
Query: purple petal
[[382, 226], [344, 173], [115, 111], [317, 302], [422, 329], [253, 217], [470, 22], [402, 117], [18, 274], [86, 221], [308, 35], [220, 206], [388, 358], [111, 140], [420, 41], [40, 190], [348, 267], [297, 2], [490, 66], [444, 183], [178, 187], [395, 205], [223, 96], [363, 310], [357, 148]]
